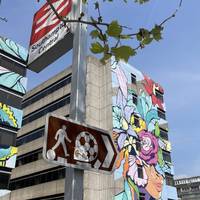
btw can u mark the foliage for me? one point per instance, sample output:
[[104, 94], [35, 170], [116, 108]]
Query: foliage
[[109, 37]]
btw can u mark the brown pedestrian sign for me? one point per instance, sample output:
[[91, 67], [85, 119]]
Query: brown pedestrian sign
[[72, 144]]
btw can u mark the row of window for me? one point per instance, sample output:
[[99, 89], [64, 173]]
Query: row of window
[[46, 109], [51, 197], [38, 178], [168, 177], [33, 135], [29, 157], [161, 113], [158, 94], [50, 89], [163, 133]]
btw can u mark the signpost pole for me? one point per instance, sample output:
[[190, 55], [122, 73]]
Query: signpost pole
[[74, 177]]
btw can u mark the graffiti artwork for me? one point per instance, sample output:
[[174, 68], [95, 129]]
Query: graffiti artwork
[[13, 48], [10, 116], [8, 156], [12, 80], [136, 132]]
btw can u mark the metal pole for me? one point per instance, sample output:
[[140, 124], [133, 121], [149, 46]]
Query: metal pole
[[74, 177]]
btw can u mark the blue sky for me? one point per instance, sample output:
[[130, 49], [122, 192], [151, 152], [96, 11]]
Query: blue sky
[[173, 62]]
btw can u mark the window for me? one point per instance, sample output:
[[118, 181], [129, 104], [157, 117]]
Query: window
[[136, 121], [38, 178], [50, 89], [29, 157], [166, 156], [10, 97], [5, 177], [134, 98], [142, 196], [46, 109], [133, 78], [51, 197], [169, 179], [33, 135], [195, 188], [138, 145], [163, 134], [10, 64], [7, 137], [140, 171], [159, 95], [161, 113]]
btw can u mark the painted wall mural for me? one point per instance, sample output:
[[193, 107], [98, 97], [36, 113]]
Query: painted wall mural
[[10, 116], [12, 80], [13, 48], [136, 133], [8, 156]]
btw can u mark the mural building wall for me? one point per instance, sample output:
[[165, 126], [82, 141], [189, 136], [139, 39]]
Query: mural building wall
[[140, 133], [14, 85]]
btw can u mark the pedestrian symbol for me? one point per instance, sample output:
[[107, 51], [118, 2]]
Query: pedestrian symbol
[[60, 136]]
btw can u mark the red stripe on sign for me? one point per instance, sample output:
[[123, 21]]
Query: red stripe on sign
[[45, 19]]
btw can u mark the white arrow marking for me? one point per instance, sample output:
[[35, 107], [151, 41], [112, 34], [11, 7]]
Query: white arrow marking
[[110, 154]]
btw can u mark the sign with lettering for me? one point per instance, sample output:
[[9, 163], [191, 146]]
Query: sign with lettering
[[78, 145], [50, 37]]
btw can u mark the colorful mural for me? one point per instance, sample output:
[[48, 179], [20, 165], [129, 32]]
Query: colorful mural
[[10, 116], [13, 48], [8, 156], [12, 80], [136, 132]]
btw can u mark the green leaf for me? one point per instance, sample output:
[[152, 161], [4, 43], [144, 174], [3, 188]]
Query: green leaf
[[94, 34], [141, 1], [157, 130], [147, 41], [123, 52], [157, 32], [135, 187], [139, 37], [114, 29], [96, 48], [96, 5]]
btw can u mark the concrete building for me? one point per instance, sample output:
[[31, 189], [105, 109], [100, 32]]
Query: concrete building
[[121, 100], [12, 88], [188, 188]]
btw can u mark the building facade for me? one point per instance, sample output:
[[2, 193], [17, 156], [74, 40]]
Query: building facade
[[12, 89], [144, 170], [120, 100], [188, 188]]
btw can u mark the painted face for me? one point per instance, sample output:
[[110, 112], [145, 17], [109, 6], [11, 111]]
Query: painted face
[[155, 182]]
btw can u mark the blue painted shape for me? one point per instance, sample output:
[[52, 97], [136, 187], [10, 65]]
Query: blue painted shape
[[13, 48], [13, 80]]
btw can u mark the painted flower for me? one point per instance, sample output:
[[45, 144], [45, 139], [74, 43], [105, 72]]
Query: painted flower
[[149, 148], [130, 144], [150, 87], [133, 171]]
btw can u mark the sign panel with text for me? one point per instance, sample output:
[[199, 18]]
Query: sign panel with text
[[77, 145], [50, 38]]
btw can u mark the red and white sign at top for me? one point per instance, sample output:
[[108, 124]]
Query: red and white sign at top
[[46, 20], [51, 37]]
